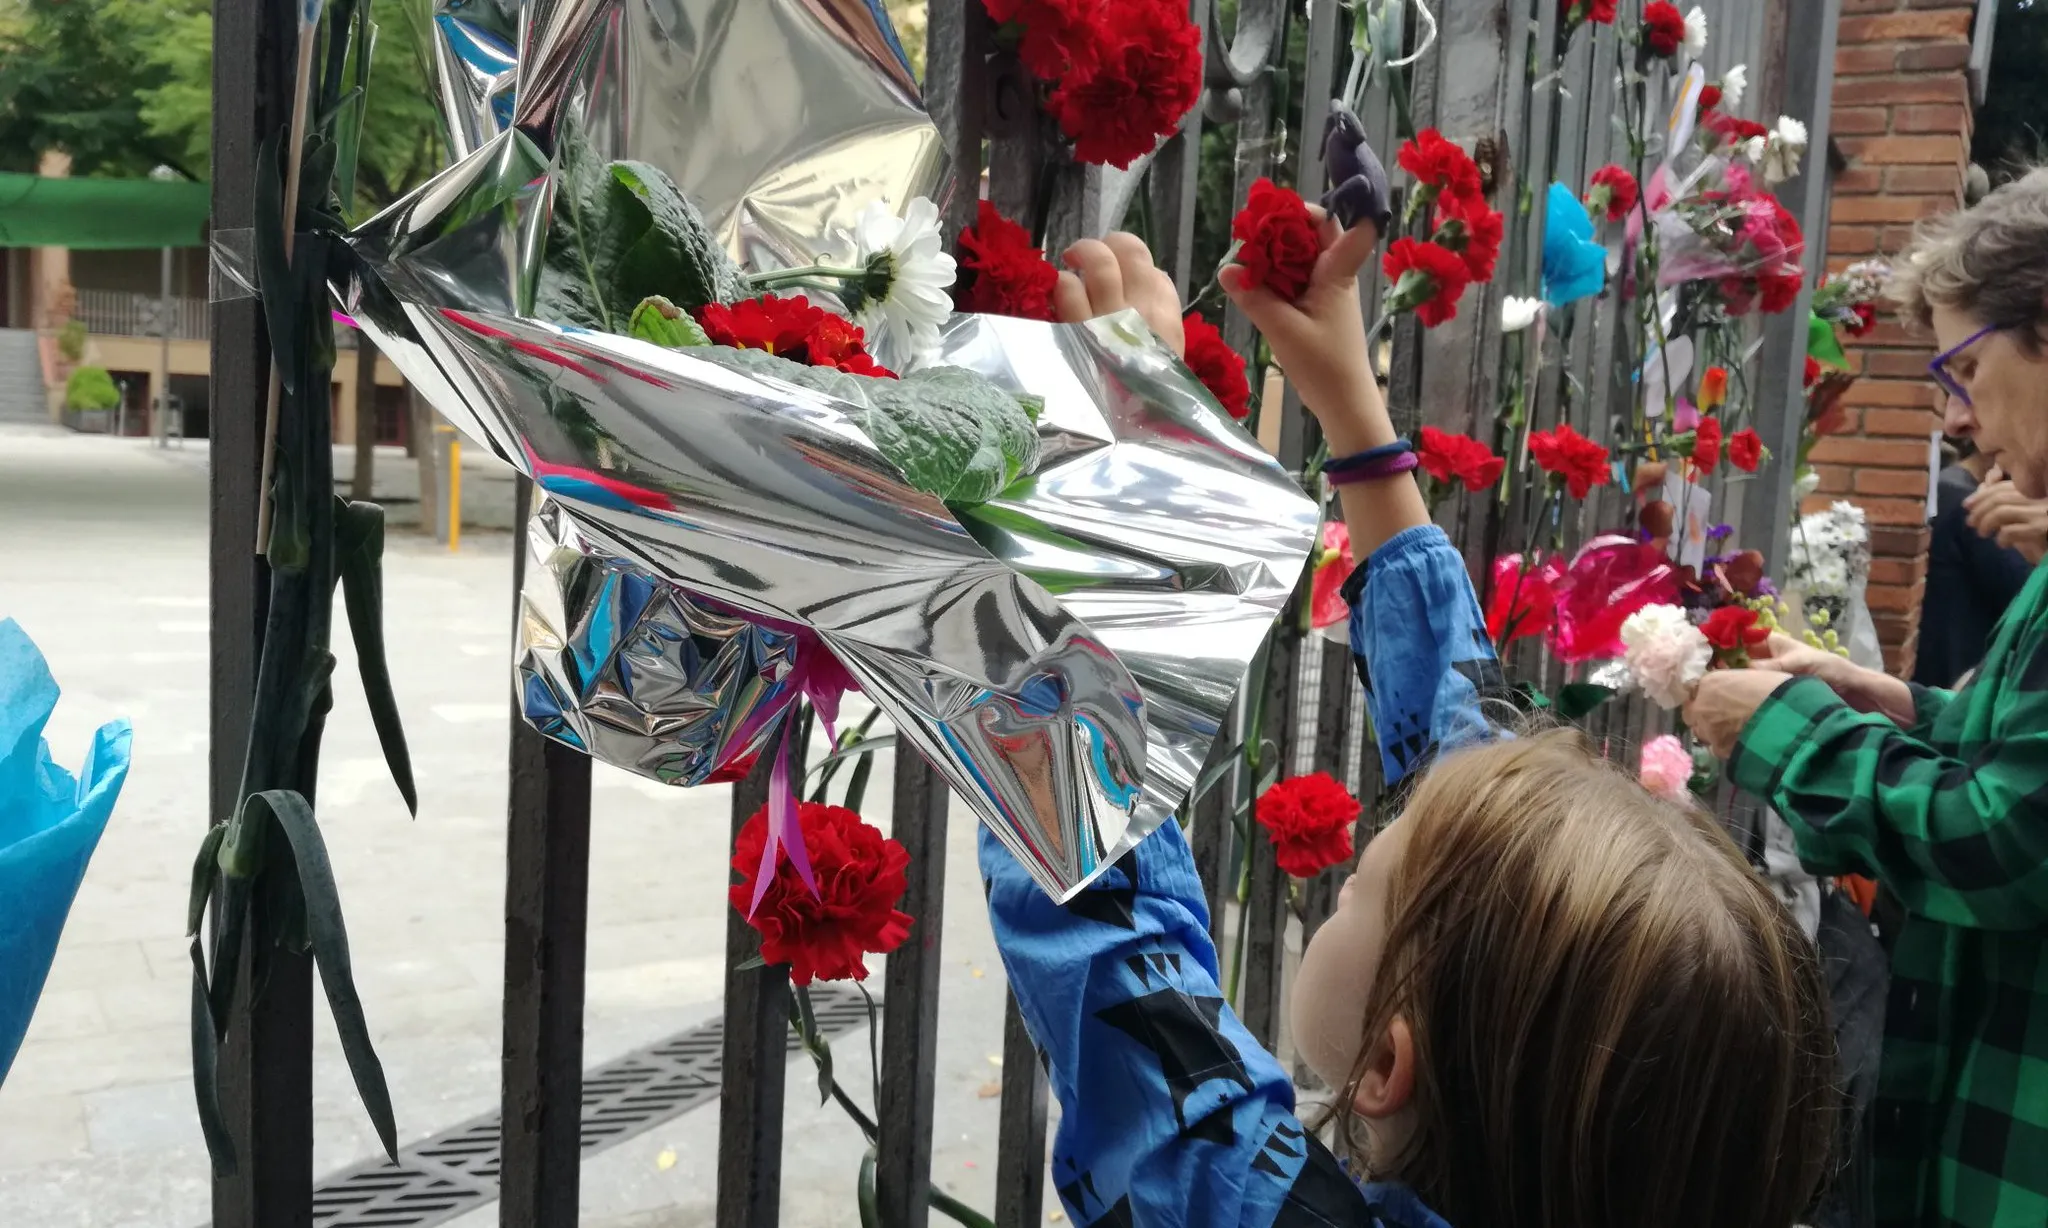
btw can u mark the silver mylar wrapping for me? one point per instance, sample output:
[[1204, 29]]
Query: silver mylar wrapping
[[1064, 654]]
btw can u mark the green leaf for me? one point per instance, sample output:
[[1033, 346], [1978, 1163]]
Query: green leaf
[[750, 963], [359, 551], [952, 433], [220, 1146], [203, 868], [329, 940], [1527, 698], [348, 124], [1576, 699], [1208, 779], [1823, 346], [857, 786], [814, 1044], [665, 324], [870, 1202]]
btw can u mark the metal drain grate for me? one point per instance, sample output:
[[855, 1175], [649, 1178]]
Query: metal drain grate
[[456, 1171]]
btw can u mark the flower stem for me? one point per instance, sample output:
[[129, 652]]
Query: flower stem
[[776, 279]]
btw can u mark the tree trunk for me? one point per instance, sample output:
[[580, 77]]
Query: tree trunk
[[426, 450], [366, 420]]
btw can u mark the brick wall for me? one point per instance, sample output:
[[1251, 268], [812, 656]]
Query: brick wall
[[1902, 121]]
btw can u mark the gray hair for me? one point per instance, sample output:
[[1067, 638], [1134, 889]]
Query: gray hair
[[1989, 261]]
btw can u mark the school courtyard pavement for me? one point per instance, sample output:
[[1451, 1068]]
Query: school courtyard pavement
[[103, 559]]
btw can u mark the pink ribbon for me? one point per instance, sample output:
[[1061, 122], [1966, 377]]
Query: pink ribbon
[[823, 681]]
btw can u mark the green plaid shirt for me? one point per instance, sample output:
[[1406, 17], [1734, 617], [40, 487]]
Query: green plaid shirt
[[1952, 816]]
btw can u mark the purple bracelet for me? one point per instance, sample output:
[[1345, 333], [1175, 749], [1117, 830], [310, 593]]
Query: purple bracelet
[[1372, 471]]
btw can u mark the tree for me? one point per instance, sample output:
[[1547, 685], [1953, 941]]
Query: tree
[[70, 76]]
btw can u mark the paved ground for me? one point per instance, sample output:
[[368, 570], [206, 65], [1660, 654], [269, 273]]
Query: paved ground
[[103, 560]]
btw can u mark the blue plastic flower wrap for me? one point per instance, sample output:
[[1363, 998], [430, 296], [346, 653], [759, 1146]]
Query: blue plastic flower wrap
[[50, 822], [1574, 263]]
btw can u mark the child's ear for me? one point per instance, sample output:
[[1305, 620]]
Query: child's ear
[[1389, 1080]]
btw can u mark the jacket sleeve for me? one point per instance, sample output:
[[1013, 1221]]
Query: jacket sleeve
[[1421, 647], [1961, 842], [1171, 1114]]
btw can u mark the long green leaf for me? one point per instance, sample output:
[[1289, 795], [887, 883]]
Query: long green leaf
[[359, 547], [348, 124], [273, 267], [857, 786], [814, 1044], [204, 867], [227, 949], [330, 951], [1576, 699], [220, 1147], [870, 1201]]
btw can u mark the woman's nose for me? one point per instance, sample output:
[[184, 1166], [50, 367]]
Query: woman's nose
[[1958, 420]]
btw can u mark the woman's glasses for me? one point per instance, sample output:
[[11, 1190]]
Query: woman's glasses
[[1939, 367]]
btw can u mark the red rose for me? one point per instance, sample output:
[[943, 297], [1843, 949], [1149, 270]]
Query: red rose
[[1866, 319], [1710, 97], [1144, 80], [792, 328], [1571, 456], [1734, 629], [1663, 28], [1054, 33], [1599, 12], [1278, 238], [1310, 820], [1220, 368], [1468, 227], [1448, 458], [1706, 444], [1745, 450], [1619, 195], [860, 875], [1427, 278], [1439, 166], [1001, 273]]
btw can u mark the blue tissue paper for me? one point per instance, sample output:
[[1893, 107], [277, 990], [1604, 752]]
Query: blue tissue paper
[[1574, 263], [50, 822]]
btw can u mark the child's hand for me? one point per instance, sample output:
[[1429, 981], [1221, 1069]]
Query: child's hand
[[1320, 340], [1110, 274]]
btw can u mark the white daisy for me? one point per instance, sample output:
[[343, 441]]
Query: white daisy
[[1695, 40], [1517, 314], [1784, 149], [906, 294], [1733, 83]]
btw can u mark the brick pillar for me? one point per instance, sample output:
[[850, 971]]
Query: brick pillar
[[1902, 120]]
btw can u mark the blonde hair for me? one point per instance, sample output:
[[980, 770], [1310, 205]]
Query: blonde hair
[[1989, 261], [1616, 1024]]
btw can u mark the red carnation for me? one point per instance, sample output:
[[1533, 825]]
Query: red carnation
[[1778, 290], [1614, 192], [1522, 599], [1733, 129], [860, 875], [1710, 97], [1001, 272], [1812, 375], [1866, 319], [1745, 450], [1439, 166], [1145, 77], [792, 328], [1054, 34], [1599, 12], [1220, 368], [1706, 444], [1733, 629], [1310, 820], [1663, 28], [1448, 457], [1427, 278], [1571, 456], [1468, 227], [1278, 240]]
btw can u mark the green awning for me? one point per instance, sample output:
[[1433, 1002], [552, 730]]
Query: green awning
[[101, 213]]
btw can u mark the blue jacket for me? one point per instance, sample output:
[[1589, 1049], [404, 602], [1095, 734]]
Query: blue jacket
[[1172, 1115]]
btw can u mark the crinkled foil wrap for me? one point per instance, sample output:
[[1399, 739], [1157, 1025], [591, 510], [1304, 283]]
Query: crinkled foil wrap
[[1064, 654]]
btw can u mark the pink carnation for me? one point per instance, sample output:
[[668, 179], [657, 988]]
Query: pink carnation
[[1667, 769], [1666, 654]]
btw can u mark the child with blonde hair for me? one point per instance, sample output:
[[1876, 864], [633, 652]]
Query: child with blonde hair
[[1547, 998]]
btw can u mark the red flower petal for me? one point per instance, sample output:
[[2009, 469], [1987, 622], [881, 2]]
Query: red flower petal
[[861, 874], [1278, 240], [1310, 819], [1220, 368]]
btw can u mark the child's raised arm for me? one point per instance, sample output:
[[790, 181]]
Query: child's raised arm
[[1421, 643]]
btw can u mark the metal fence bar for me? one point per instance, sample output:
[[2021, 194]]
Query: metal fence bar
[[1020, 1149], [910, 1031], [547, 899]]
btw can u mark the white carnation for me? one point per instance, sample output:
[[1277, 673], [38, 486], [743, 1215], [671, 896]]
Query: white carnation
[[1666, 654]]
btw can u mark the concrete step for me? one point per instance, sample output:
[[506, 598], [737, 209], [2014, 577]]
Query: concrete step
[[21, 378]]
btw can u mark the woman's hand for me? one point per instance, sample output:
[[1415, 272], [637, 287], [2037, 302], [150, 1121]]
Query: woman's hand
[[1104, 276], [1999, 511], [1319, 340], [1725, 700]]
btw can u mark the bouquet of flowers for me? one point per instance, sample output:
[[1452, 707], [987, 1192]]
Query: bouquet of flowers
[[1827, 570], [1718, 227]]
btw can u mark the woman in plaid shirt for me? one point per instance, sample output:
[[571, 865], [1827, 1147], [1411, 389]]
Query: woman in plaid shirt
[[1942, 796]]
